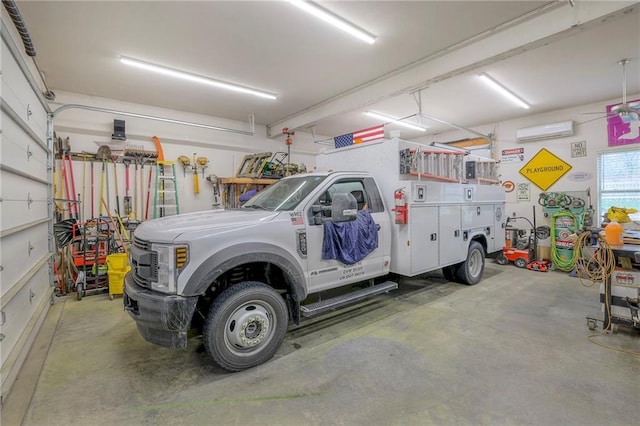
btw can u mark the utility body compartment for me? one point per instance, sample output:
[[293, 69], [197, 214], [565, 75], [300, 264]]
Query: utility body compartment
[[445, 212]]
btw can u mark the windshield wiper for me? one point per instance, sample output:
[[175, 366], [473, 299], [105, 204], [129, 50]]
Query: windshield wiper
[[255, 206]]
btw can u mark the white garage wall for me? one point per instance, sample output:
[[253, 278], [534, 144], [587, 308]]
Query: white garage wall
[[593, 133], [225, 151]]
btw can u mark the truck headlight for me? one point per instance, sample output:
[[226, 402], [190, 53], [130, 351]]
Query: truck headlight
[[171, 260]]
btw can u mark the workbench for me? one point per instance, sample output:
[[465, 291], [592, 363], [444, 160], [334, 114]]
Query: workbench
[[233, 188]]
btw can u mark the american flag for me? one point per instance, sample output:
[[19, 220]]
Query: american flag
[[296, 218], [367, 135]]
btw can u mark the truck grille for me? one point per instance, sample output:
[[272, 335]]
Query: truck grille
[[141, 281], [141, 244], [144, 263]]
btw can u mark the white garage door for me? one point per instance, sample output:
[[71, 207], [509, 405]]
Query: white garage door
[[25, 214]]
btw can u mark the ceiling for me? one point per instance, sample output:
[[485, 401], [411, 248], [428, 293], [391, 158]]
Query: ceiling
[[553, 54]]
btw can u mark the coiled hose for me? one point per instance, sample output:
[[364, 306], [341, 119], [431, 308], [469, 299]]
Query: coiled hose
[[599, 265], [566, 265]]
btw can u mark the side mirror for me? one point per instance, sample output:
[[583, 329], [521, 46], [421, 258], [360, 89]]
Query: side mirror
[[321, 214], [344, 208]]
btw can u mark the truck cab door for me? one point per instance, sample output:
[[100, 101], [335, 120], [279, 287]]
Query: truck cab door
[[324, 274]]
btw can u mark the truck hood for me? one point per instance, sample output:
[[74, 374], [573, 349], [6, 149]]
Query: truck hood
[[167, 229]]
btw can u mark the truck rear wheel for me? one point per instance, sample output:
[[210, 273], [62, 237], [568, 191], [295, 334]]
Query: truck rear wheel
[[470, 271], [245, 326]]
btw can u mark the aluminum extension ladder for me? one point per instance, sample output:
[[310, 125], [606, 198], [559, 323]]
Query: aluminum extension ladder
[[437, 164], [165, 201]]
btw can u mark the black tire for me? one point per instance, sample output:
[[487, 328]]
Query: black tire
[[501, 259], [263, 313], [449, 272], [470, 271], [520, 262]]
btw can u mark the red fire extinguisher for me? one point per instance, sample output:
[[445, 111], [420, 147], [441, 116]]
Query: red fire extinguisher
[[401, 209]]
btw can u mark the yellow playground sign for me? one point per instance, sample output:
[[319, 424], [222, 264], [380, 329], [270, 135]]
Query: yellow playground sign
[[544, 169]]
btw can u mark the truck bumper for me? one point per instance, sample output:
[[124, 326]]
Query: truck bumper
[[163, 319]]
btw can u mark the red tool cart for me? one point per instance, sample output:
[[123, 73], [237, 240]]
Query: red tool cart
[[89, 249]]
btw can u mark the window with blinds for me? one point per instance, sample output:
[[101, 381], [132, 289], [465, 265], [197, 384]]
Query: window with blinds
[[618, 180]]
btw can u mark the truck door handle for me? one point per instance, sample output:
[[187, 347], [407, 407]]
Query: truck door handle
[[378, 226]]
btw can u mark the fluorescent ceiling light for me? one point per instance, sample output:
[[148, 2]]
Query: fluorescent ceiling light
[[503, 90], [334, 20], [395, 121], [195, 78]]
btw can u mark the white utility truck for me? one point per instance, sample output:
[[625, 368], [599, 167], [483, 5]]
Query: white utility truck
[[239, 276]]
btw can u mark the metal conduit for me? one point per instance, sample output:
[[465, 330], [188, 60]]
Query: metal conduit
[[456, 126], [417, 97], [151, 117]]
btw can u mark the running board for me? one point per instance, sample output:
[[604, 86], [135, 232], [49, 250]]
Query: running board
[[346, 299]]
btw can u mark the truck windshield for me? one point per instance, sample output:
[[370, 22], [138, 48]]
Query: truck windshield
[[284, 195]]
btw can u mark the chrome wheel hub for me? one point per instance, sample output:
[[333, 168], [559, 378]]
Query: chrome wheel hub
[[248, 326]]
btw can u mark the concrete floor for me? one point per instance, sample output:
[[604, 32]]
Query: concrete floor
[[513, 349]]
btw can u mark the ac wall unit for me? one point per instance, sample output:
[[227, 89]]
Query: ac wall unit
[[546, 131]]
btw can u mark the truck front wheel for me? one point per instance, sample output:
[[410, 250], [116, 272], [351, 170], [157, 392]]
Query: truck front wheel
[[245, 326], [470, 271]]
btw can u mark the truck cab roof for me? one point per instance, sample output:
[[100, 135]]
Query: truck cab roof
[[330, 173]]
